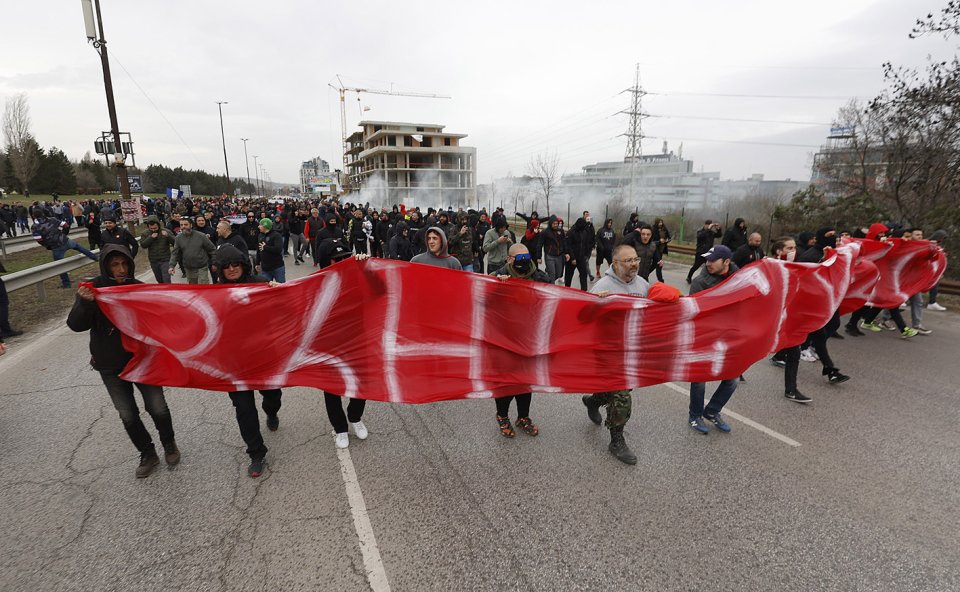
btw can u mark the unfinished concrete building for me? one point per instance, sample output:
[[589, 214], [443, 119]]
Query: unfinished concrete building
[[417, 164]]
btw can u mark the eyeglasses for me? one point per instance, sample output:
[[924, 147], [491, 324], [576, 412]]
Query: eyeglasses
[[631, 261], [232, 265]]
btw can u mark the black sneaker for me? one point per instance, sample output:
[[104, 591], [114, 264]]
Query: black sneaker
[[273, 422], [11, 333], [836, 378], [797, 397], [256, 467], [836, 335], [853, 330]]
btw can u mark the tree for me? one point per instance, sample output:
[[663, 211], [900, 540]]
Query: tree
[[56, 174], [22, 150], [544, 168]]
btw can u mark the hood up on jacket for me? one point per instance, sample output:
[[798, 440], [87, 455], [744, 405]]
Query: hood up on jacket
[[228, 254], [109, 250], [876, 229], [443, 241], [823, 241]]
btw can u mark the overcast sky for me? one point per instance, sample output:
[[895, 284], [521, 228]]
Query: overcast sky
[[524, 76]]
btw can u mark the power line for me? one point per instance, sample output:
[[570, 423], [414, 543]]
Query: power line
[[749, 96], [818, 123], [137, 84], [782, 144], [759, 67]]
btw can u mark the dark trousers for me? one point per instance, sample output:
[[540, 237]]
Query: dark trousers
[[581, 267], [604, 256], [161, 271], [720, 397], [523, 405], [245, 405], [121, 393], [790, 355], [338, 419], [819, 341], [933, 294], [697, 262], [4, 309]]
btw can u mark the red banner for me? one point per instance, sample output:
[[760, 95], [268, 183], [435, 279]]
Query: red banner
[[402, 332]]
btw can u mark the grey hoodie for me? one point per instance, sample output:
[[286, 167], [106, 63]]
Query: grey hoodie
[[611, 283], [442, 260]]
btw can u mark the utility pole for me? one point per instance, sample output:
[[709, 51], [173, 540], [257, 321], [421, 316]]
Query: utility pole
[[256, 171], [634, 133], [247, 159], [223, 138], [95, 28]]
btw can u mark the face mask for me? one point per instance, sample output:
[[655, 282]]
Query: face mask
[[522, 266]]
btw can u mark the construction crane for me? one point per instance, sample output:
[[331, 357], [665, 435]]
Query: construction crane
[[343, 90]]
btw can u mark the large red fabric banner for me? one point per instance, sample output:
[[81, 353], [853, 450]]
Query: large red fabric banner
[[401, 332]]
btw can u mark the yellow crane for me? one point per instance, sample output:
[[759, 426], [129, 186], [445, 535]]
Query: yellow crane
[[343, 90]]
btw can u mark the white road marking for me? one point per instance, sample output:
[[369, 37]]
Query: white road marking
[[746, 420], [376, 574]]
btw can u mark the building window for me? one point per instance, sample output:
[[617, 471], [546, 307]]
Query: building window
[[391, 140], [407, 141], [419, 129]]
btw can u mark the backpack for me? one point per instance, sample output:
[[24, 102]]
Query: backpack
[[50, 234]]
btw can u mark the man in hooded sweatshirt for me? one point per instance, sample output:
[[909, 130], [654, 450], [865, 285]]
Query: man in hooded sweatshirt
[[234, 266], [622, 277], [437, 254], [157, 241], [497, 243], [270, 252], [736, 236], [579, 240], [399, 246], [108, 357], [606, 238], [553, 248]]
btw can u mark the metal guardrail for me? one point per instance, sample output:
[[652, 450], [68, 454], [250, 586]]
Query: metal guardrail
[[35, 276]]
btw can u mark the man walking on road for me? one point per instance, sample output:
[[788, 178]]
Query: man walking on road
[[718, 267], [157, 241], [621, 278], [109, 358], [195, 250]]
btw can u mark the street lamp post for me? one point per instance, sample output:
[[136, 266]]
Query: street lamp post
[[95, 28], [256, 171], [220, 105], [247, 159]]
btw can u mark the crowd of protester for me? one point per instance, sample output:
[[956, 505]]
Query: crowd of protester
[[230, 241]]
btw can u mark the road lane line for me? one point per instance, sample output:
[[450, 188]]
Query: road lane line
[[376, 574], [746, 420]]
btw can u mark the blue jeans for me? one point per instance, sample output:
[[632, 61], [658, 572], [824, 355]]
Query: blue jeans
[[468, 267], [720, 397], [58, 254], [279, 274]]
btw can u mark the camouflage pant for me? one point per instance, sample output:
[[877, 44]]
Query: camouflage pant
[[618, 405]]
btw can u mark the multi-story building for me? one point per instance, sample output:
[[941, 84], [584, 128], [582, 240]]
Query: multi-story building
[[315, 177], [657, 182], [412, 163]]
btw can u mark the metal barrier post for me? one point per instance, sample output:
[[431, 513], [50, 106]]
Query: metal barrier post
[[41, 292]]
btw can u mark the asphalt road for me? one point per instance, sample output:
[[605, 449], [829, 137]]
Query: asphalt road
[[866, 500]]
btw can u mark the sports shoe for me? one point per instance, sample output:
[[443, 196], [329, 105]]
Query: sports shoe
[[525, 424], [807, 355], [505, 428], [836, 335], [889, 325], [871, 326], [908, 333], [342, 440], [273, 422], [697, 424], [256, 467], [148, 462], [903, 306], [853, 331], [717, 420], [11, 333], [923, 330], [797, 397], [593, 410], [936, 306], [835, 377], [778, 362], [360, 430]]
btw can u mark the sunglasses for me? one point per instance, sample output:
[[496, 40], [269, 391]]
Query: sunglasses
[[232, 265]]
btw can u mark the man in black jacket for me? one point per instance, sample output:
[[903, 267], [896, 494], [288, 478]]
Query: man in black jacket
[[114, 234], [270, 252], [577, 256], [750, 252], [735, 237], [235, 269], [705, 238], [109, 358]]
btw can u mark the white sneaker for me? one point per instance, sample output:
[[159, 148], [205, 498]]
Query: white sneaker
[[936, 306], [360, 430], [342, 440], [808, 356], [903, 306]]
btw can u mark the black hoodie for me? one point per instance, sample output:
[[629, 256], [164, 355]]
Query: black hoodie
[[815, 253], [735, 236], [228, 254], [106, 348]]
